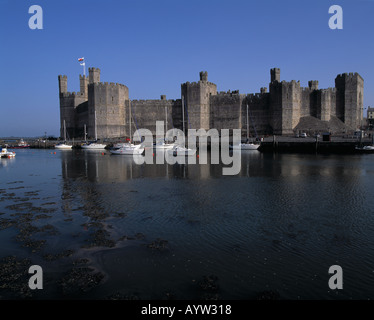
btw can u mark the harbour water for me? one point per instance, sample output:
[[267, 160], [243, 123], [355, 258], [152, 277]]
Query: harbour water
[[103, 227]]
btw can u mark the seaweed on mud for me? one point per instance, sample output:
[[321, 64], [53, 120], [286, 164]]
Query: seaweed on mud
[[49, 229], [81, 261], [42, 216], [20, 206], [63, 254], [14, 276], [34, 245], [99, 238], [158, 244], [80, 280], [6, 223]]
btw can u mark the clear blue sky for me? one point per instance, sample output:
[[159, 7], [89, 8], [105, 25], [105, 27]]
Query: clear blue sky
[[153, 46]]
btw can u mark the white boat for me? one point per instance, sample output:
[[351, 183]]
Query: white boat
[[245, 146], [129, 150], [122, 145], [63, 146], [179, 150], [94, 145], [365, 149], [248, 145], [7, 154], [161, 144], [164, 146]]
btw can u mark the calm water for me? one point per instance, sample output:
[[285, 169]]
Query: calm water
[[158, 231]]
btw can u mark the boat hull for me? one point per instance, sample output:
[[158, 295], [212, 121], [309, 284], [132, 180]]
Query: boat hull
[[137, 150], [366, 149], [245, 146], [63, 147], [182, 151], [94, 146]]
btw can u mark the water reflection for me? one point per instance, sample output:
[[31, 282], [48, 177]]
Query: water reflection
[[277, 225]]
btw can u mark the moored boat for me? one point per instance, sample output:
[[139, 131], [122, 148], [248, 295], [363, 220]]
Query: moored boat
[[245, 146], [63, 146], [180, 150], [165, 146], [93, 146], [365, 149], [7, 154], [21, 145], [128, 150]]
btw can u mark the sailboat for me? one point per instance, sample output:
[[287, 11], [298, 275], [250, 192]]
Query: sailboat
[[129, 148], [180, 149], [161, 144], [94, 145], [248, 145], [63, 146]]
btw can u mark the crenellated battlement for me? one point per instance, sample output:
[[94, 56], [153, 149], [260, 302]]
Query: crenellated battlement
[[93, 69], [327, 90], [72, 94], [348, 76], [229, 92], [155, 101], [108, 85], [256, 96], [196, 84], [275, 112]]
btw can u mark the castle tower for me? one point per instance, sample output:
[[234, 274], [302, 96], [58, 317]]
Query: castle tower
[[196, 97], [83, 80], [285, 101], [349, 98], [94, 75], [204, 76], [62, 84], [313, 85], [275, 74]]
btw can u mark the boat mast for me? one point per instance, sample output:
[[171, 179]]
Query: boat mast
[[247, 125], [183, 113], [166, 119], [95, 128], [64, 131], [85, 133], [130, 119]]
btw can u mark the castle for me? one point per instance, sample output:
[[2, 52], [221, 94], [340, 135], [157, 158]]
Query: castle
[[279, 111]]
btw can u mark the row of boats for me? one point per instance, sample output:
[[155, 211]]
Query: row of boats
[[131, 149]]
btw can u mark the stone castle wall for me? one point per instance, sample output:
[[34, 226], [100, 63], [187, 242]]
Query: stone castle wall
[[277, 111], [145, 113]]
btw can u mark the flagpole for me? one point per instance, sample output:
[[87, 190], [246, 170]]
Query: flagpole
[[83, 64]]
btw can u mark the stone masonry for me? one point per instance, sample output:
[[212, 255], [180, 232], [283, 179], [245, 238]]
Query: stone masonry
[[107, 111]]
